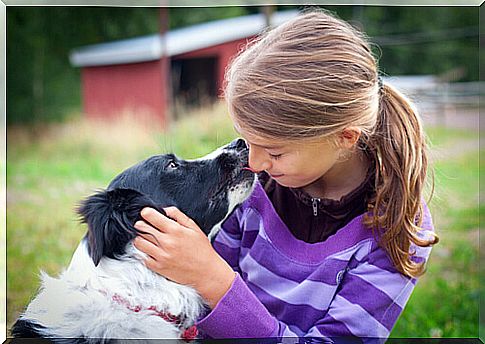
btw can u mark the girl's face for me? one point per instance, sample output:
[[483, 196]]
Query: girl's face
[[292, 164]]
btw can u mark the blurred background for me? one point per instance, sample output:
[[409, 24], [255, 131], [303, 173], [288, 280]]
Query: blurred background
[[93, 90]]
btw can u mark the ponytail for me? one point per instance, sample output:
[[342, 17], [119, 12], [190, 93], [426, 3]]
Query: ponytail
[[398, 146]]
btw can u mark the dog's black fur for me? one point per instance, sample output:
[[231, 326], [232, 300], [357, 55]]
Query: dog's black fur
[[199, 188], [158, 182]]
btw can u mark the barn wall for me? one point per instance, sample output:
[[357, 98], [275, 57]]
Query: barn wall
[[141, 88], [109, 91]]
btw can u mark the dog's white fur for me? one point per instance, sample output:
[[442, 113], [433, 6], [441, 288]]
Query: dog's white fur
[[79, 302]]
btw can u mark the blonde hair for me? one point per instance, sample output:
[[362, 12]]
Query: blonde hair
[[313, 77]]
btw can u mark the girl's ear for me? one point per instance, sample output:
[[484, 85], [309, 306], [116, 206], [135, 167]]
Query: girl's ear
[[348, 137]]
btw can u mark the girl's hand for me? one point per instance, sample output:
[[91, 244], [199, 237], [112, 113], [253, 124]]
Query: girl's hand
[[180, 251]]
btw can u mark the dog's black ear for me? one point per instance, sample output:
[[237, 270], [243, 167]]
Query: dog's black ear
[[110, 216]]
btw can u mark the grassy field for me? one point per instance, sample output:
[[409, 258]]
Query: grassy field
[[49, 169]]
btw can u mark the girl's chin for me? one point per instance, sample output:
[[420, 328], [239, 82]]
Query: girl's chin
[[294, 184], [288, 183]]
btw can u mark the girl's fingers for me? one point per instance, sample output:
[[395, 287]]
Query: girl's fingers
[[147, 247], [151, 263], [148, 232], [181, 218], [161, 222]]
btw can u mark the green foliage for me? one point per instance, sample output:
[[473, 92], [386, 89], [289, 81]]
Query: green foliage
[[42, 86], [179, 17], [438, 38], [406, 36]]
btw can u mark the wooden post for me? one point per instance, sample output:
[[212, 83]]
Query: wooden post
[[167, 97], [268, 11]]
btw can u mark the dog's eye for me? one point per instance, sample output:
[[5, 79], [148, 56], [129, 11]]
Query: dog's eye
[[172, 164]]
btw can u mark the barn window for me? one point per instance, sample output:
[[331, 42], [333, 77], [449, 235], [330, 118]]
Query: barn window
[[193, 83]]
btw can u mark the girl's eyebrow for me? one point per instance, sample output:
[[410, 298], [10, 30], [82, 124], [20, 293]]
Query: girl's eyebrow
[[272, 147], [265, 146]]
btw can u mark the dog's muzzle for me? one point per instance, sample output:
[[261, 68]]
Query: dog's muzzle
[[241, 149], [239, 145]]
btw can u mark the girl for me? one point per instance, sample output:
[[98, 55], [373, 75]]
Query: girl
[[336, 232]]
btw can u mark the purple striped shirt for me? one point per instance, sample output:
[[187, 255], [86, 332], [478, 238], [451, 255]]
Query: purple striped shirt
[[285, 287]]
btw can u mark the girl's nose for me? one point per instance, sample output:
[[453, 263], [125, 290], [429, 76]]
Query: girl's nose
[[258, 162]]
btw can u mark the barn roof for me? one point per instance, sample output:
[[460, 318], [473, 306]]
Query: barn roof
[[178, 41]]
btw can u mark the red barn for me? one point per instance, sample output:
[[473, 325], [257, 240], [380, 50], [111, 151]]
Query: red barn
[[182, 67]]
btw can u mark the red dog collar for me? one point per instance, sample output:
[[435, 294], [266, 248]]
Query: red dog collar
[[188, 334]]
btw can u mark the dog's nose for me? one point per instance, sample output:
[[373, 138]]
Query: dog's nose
[[238, 145]]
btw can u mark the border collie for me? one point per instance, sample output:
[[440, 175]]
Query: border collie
[[107, 292]]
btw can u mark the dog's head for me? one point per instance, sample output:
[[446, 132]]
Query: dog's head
[[206, 189]]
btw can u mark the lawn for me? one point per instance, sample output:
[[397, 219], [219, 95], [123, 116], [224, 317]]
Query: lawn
[[50, 168]]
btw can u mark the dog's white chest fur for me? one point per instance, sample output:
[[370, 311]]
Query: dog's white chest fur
[[80, 302]]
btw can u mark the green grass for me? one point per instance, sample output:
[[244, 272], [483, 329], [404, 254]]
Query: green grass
[[443, 136], [47, 176]]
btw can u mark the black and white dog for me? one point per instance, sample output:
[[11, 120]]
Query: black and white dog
[[107, 292]]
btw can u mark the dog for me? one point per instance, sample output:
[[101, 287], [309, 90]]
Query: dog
[[107, 293]]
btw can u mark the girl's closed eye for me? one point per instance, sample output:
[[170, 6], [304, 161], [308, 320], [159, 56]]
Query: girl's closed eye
[[275, 156]]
